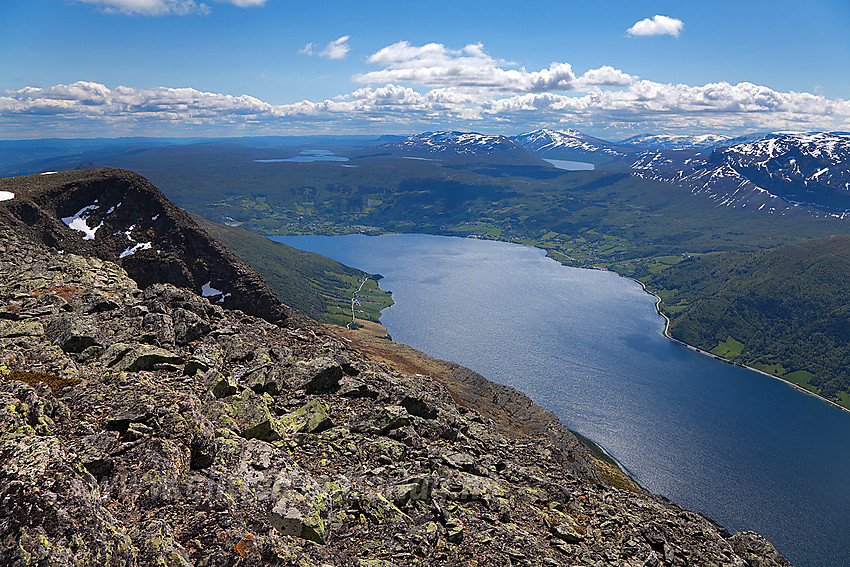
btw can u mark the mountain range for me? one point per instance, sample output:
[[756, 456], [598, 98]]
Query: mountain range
[[698, 142], [783, 173], [787, 173], [462, 147]]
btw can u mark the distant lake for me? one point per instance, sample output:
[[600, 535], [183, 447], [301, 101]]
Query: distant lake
[[306, 156], [746, 450], [571, 165]]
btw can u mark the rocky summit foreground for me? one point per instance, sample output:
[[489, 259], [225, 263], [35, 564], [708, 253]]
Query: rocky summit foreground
[[152, 427]]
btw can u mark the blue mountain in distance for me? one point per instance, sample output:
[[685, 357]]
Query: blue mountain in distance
[[571, 145], [461, 146], [699, 142]]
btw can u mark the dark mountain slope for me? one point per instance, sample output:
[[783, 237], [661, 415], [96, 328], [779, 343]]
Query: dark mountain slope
[[318, 286], [119, 216]]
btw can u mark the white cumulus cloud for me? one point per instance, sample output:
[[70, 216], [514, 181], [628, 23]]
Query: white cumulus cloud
[[605, 76], [80, 108], [337, 49], [435, 65], [658, 25]]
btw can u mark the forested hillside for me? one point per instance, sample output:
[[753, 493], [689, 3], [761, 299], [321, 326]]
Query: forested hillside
[[320, 287], [782, 310]]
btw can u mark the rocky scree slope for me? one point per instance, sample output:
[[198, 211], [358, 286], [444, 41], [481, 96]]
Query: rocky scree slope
[[152, 427], [120, 216]]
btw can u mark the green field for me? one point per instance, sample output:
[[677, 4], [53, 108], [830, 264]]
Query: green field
[[730, 348]]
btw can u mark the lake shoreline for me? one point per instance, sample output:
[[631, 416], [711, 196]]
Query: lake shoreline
[[667, 334]]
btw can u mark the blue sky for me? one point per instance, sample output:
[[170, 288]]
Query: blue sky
[[612, 68]]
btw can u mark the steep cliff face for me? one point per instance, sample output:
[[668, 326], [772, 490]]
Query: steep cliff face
[[153, 427], [119, 216]]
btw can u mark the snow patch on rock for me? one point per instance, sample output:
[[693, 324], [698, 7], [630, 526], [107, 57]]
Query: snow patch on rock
[[78, 221]]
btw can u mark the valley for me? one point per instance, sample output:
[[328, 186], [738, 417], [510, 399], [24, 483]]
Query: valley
[[640, 212]]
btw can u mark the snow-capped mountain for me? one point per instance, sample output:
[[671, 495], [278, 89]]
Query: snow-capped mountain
[[466, 145], [781, 172], [570, 144], [677, 141]]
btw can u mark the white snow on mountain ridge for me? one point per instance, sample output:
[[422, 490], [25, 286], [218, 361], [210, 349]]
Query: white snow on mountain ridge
[[545, 141], [677, 141], [795, 171], [463, 143]]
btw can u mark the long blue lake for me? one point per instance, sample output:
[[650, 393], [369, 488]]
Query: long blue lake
[[744, 449]]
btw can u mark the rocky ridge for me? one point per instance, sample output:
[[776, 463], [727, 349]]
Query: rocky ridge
[[697, 142], [120, 216], [153, 427], [571, 144]]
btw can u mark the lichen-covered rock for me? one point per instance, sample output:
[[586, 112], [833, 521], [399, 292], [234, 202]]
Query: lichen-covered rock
[[757, 551], [566, 531], [381, 421], [454, 531], [188, 326], [95, 451], [220, 385], [319, 376], [72, 333], [52, 511], [354, 388], [381, 510], [204, 357], [158, 546], [158, 329], [312, 417], [300, 505], [136, 357], [253, 418], [14, 329]]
